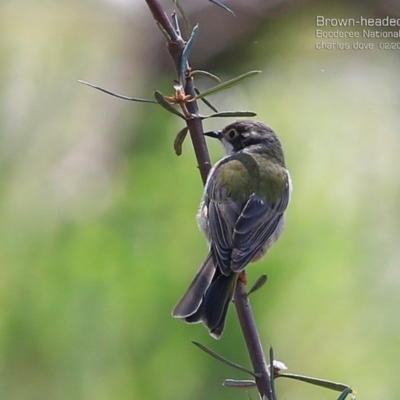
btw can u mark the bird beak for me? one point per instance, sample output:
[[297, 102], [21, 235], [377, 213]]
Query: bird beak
[[213, 134]]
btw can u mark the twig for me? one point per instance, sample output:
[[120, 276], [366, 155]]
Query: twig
[[175, 47], [252, 339]]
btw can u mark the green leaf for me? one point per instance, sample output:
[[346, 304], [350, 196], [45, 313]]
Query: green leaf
[[226, 85], [340, 387], [345, 393], [223, 6], [164, 32], [168, 106], [206, 74], [224, 360], [117, 95], [206, 102], [180, 137], [185, 55], [230, 114], [259, 283], [185, 17], [272, 372], [239, 384]]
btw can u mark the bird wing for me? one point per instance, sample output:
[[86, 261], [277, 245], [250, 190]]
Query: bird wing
[[255, 226], [222, 218], [239, 230]]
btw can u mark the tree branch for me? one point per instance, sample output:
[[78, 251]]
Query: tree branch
[[252, 339], [176, 45], [175, 48]]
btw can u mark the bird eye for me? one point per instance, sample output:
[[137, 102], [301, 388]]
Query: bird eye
[[233, 133]]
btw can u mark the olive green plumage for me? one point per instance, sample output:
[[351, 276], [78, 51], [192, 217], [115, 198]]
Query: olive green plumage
[[245, 174], [241, 215]]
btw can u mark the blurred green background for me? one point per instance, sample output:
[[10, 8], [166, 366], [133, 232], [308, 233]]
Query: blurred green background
[[98, 237]]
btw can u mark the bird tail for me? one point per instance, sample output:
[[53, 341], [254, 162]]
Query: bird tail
[[193, 297], [208, 297]]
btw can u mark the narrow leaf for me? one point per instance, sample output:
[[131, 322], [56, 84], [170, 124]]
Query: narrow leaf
[[185, 17], [345, 393], [223, 6], [164, 103], [272, 372], [208, 104], [120, 96], [224, 360], [259, 283], [226, 85], [180, 137], [206, 74], [230, 114], [185, 55], [340, 387], [205, 101], [239, 384], [164, 32]]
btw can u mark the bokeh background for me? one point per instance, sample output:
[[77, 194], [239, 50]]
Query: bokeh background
[[98, 237]]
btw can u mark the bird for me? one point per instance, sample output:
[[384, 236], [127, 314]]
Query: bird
[[241, 215]]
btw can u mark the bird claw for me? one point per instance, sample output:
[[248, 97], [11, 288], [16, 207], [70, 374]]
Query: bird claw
[[243, 277]]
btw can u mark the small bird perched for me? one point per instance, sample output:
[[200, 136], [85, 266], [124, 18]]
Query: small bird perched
[[241, 215]]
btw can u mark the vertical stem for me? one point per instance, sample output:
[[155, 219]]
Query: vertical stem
[[175, 48], [196, 133], [245, 315], [161, 17], [252, 340]]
